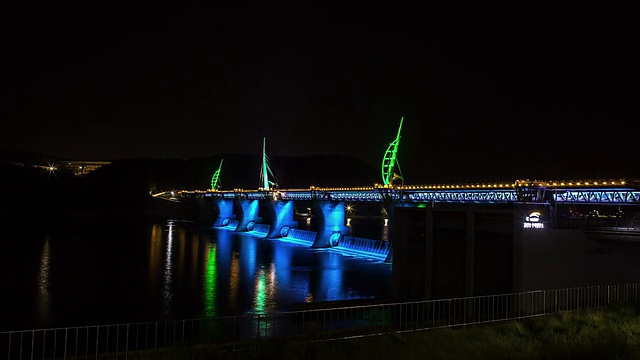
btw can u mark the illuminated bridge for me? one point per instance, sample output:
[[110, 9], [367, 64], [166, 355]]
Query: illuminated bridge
[[556, 204], [475, 208], [612, 192]]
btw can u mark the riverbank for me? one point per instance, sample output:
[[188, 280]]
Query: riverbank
[[611, 333]]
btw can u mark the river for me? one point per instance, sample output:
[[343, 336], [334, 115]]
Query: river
[[89, 272]]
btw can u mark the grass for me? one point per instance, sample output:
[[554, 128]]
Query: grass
[[610, 333]]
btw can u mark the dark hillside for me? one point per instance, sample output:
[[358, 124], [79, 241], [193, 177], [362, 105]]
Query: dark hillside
[[238, 171], [122, 188]]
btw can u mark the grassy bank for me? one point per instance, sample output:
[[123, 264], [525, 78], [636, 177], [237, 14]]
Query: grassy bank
[[612, 333]]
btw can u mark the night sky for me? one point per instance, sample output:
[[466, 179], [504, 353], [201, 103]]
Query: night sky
[[488, 92]]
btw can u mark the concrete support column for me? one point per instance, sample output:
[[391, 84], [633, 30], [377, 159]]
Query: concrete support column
[[470, 254], [428, 256], [389, 207], [281, 216], [247, 211], [330, 219], [225, 211], [518, 275]]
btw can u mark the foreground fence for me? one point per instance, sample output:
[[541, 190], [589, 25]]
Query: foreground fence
[[121, 341]]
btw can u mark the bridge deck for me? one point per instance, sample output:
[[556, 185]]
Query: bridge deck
[[619, 192]]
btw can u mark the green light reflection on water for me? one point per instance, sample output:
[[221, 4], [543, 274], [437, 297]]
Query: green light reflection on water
[[261, 286], [210, 308]]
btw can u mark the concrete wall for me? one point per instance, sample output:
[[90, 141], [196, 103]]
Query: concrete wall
[[452, 250], [470, 249], [556, 258]]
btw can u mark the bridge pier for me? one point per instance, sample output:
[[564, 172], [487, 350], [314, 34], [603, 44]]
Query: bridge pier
[[330, 219], [455, 250], [247, 211], [281, 217], [389, 207], [225, 211]]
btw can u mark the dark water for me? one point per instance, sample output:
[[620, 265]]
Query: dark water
[[90, 272]]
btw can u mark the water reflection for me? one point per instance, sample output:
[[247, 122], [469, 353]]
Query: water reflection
[[265, 290], [194, 271], [177, 270], [240, 272], [386, 231], [44, 283], [330, 285], [234, 282], [43, 272], [167, 294], [228, 268], [282, 256], [210, 281], [247, 256], [155, 250]]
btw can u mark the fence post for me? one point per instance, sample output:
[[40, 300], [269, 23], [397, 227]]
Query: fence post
[[44, 342], [117, 340], [21, 337], [97, 337], [126, 345], [107, 341]]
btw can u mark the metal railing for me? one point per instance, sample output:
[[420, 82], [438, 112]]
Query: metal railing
[[594, 223], [119, 341]]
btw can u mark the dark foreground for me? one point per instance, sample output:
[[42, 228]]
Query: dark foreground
[[612, 333]]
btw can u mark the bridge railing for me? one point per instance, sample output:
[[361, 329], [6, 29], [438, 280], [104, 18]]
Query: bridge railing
[[123, 340]]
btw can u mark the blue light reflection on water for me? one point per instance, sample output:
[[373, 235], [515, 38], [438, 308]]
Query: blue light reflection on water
[[87, 274], [270, 274]]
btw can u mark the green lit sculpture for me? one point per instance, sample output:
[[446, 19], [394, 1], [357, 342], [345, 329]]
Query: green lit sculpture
[[390, 161], [265, 170], [215, 179]]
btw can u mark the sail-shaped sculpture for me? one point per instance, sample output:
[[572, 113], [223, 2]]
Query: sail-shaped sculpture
[[390, 162], [265, 170], [215, 179]]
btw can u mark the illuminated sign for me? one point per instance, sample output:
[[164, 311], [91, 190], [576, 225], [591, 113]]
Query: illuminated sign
[[529, 225], [532, 221]]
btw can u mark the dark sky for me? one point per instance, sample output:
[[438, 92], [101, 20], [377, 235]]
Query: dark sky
[[488, 92]]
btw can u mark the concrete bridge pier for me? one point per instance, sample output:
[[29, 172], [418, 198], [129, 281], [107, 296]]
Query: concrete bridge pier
[[225, 211], [281, 217], [330, 220], [389, 207], [247, 213]]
